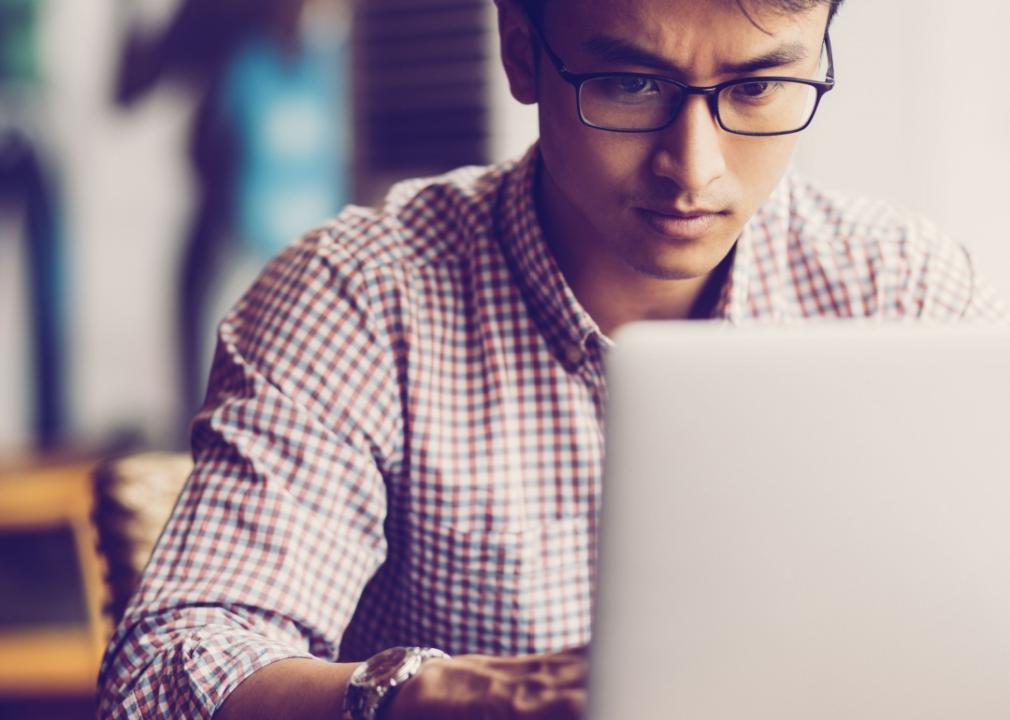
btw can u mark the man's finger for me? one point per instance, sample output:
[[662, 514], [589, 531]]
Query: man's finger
[[565, 705]]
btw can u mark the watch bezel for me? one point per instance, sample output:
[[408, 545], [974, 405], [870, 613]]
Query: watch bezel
[[368, 690], [388, 666]]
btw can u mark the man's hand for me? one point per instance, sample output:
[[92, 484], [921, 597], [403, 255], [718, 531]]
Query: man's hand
[[473, 687]]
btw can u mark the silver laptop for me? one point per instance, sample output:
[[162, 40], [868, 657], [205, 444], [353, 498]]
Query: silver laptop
[[805, 524]]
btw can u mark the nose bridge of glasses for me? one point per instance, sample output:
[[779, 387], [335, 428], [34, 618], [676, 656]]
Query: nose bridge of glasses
[[679, 120], [708, 95]]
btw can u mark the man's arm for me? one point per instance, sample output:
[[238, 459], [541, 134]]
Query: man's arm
[[281, 523], [293, 689], [462, 688], [245, 574]]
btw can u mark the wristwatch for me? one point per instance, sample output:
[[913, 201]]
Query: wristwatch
[[375, 682]]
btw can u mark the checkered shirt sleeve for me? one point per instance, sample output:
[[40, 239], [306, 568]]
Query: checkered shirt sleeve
[[280, 525]]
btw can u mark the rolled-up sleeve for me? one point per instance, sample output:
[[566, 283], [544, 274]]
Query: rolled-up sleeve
[[280, 526]]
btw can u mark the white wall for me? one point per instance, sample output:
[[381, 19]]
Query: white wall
[[921, 117], [514, 126], [125, 198], [127, 191], [15, 395]]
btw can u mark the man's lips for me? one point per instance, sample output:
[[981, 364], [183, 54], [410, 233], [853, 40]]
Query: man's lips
[[680, 224]]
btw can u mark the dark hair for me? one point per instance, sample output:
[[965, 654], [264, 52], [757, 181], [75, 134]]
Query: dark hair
[[535, 8]]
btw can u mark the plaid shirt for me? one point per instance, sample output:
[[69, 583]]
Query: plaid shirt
[[402, 443]]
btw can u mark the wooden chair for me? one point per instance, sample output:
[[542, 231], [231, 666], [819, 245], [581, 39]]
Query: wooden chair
[[134, 496]]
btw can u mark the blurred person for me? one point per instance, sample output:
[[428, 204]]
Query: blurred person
[[28, 189], [398, 468], [268, 143]]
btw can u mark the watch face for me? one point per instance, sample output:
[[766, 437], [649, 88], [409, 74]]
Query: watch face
[[382, 667]]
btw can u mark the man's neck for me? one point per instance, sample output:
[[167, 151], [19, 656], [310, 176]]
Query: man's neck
[[612, 292]]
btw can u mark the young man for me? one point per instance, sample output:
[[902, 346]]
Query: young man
[[402, 444]]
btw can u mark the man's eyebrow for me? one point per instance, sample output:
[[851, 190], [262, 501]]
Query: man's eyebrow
[[783, 55], [618, 51]]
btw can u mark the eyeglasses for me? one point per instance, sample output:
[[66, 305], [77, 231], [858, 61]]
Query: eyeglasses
[[636, 102]]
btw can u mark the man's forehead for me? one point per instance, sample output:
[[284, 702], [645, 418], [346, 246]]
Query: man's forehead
[[706, 35], [659, 17]]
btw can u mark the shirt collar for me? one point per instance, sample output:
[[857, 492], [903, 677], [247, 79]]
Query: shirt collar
[[750, 292], [566, 325]]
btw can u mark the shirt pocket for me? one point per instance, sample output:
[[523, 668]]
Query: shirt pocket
[[501, 592]]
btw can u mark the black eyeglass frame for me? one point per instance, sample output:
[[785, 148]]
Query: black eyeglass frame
[[711, 92]]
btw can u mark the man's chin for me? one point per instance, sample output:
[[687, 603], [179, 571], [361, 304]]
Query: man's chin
[[666, 270], [689, 261]]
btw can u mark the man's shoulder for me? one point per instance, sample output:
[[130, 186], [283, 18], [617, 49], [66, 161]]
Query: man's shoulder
[[860, 256], [826, 220], [367, 256], [868, 239], [419, 222]]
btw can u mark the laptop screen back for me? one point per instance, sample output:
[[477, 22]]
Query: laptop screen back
[[805, 524]]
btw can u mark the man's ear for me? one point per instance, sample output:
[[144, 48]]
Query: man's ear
[[518, 51]]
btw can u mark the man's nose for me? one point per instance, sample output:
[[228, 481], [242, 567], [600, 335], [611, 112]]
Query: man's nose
[[690, 151]]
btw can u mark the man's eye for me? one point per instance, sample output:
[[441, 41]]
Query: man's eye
[[755, 90], [636, 85], [624, 90]]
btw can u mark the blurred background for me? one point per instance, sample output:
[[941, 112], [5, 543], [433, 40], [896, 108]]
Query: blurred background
[[155, 153]]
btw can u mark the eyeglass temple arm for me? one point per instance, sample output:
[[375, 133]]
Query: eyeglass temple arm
[[830, 76], [555, 60]]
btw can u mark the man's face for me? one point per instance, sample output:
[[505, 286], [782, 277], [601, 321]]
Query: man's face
[[636, 197]]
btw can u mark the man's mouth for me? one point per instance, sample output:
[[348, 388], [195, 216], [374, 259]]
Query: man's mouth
[[680, 224]]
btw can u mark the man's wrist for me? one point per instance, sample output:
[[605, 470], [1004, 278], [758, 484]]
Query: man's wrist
[[376, 682]]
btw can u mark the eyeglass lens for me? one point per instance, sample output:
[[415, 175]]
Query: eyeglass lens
[[622, 102]]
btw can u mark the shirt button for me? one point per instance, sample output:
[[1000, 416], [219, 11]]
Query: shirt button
[[574, 354]]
